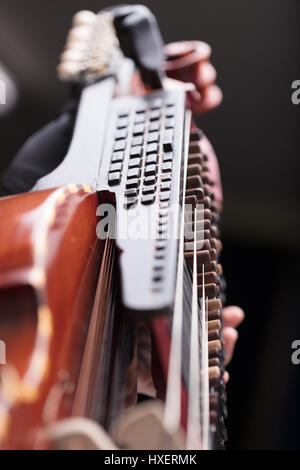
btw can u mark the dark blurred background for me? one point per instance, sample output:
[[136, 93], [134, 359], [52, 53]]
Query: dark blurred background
[[256, 49]]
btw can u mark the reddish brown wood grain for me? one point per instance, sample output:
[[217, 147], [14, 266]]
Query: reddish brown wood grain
[[49, 265]]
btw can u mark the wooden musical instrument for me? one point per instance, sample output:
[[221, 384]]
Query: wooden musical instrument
[[113, 330]]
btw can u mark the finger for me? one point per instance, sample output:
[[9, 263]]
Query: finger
[[226, 377], [203, 49], [230, 336], [233, 316], [178, 50], [211, 98], [206, 75]]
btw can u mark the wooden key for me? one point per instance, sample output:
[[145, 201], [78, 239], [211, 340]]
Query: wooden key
[[216, 219], [209, 278], [203, 224], [196, 135], [191, 200], [214, 325], [205, 168], [214, 315], [214, 372], [213, 335], [201, 213], [194, 170], [206, 201], [207, 190], [215, 379], [213, 243], [219, 245], [196, 158], [213, 353], [211, 267], [203, 235], [214, 304], [213, 255], [215, 231], [206, 178], [203, 257], [219, 270], [214, 345], [215, 361], [200, 245], [195, 148], [199, 193], [211, 290], [193, 182], [214, 401]]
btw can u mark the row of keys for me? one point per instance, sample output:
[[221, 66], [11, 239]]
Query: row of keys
[[140, 126], [146, 199], [150, 173], [148, 192], [162, 229], [133, 192], [134, 172], [161, 245], [119, 147], [140, 122], [148, 181]]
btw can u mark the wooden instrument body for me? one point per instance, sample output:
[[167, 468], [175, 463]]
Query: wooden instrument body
[[49, 265]]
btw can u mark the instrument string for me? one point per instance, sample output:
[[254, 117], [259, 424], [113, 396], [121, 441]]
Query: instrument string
[[193, 423], [204, 370], [172, 414], [85, 384]]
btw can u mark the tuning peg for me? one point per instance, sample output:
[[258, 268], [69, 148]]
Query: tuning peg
[[68, 71], [80, 33], [84, 17]]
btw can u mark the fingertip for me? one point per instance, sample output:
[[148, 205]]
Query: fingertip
[[226, 377], [206, 74], [211, 98], [233, 316], [230, 335]]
